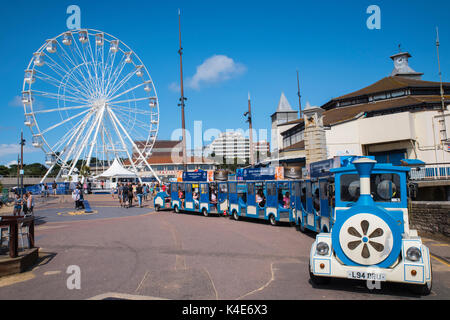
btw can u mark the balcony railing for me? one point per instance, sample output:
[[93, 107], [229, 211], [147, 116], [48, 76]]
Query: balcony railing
[[438, 171]]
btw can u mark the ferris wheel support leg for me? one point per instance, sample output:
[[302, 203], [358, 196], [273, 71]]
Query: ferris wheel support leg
[[115, 122], [84, 144], [134, 145], [48, 172]]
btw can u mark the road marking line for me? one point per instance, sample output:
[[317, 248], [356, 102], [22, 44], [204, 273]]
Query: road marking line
[[440, 260], [50, 273], [264, 286], [124, 296], [212, 282], [16, 278], [142, 281]]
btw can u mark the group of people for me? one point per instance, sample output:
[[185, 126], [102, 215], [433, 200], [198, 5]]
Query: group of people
[[23, 204], [129, 192]]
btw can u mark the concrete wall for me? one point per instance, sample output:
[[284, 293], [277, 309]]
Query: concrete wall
[[430, 217]]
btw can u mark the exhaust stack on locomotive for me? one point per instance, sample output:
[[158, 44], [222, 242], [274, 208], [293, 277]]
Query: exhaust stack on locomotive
[[364, 166]]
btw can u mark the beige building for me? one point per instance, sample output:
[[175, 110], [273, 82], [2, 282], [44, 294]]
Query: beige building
[[398, 117]]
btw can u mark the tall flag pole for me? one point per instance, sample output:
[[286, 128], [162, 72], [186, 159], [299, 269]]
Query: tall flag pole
[[443, 129], [252, 156], [299, 96], [182, 99]]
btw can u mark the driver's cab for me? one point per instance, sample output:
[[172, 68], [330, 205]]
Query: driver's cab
[[387, 185]]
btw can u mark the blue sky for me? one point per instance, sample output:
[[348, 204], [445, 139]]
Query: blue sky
[[260, 45]]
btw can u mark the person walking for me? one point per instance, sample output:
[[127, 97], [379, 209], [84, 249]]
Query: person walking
[[145, 189], [54, 188], [119, 193], [139, 193], [18, 201], [28, 203], [81, 199], [130, 195], [124, 195], [75, 197]]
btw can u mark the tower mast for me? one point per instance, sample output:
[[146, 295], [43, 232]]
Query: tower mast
[[182, 99], [443, 129], [299, 96]]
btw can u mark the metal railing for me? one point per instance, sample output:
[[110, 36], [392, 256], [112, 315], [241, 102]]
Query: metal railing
[[432, 171]]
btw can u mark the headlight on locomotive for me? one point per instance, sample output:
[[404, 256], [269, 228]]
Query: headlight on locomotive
[[322, 248], [413, 254]]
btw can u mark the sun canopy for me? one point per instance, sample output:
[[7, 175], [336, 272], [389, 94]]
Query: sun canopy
[[116, 170], [412, 162]]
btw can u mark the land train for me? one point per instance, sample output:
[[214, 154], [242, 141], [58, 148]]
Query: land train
[[357, 207]]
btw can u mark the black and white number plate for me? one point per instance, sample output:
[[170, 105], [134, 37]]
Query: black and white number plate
[[362, 275]]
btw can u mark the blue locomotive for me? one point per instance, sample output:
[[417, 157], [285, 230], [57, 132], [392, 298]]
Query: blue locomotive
[[370, 238]]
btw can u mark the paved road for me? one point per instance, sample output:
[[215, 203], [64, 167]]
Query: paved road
[[138, 252]]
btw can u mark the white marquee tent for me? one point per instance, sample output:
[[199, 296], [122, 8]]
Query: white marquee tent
[[116, 171]]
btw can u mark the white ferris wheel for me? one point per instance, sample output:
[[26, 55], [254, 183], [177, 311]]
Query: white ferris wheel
[[88, 97]]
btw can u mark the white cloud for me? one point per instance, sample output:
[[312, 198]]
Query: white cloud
[[175, 87], [9, 149], [215, 69], [16, 102], [11, 163]]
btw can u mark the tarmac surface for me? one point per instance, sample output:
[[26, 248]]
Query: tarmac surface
[[138, 253]]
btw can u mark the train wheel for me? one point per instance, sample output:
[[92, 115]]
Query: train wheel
[[301, 227], [318, 280], [272, 220], [176, 209], [157, 207], [235, 215], [205, 212], [420, 289]]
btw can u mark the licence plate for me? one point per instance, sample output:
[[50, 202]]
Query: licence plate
[[362, 275]]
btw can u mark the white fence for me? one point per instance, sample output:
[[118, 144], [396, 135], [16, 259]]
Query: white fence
[[431, 172]]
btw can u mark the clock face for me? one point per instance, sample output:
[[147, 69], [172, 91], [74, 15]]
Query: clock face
[[399, 62]]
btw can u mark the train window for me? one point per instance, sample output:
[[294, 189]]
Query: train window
[[303, 194], [232, 188], [242, 192], [204, 188], [271, 189], [251, 189], [189, 188], [385, 187], [223, 188], [349, 187], [315, 195], [323, 190]]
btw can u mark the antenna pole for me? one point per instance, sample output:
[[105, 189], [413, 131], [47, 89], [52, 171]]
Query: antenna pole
[[252, 156], [443, 129], [299, 96], [440, 73], [182, 99]]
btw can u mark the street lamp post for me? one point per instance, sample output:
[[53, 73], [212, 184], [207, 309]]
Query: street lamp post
[[22, 143]]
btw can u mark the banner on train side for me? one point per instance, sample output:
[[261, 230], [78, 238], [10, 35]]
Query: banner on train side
[[256, 174], [197, 176]]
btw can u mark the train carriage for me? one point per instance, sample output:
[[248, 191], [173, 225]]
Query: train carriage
[[202, 197], [163, 199], [371, 238], [268, 200]]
